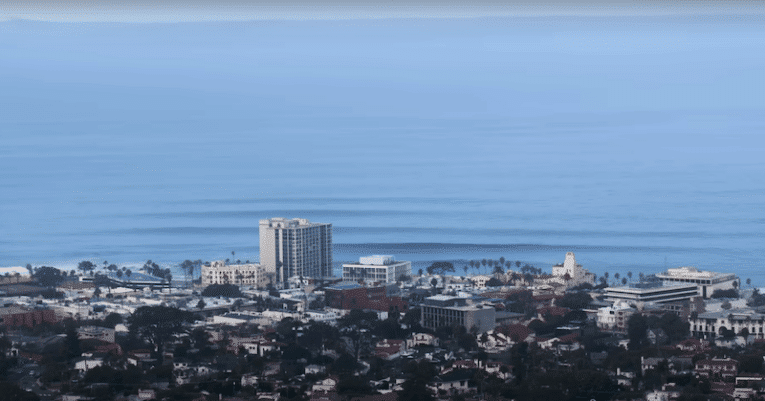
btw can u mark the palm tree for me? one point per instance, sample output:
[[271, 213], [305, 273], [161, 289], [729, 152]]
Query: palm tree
[[517, 264], [629, 274], [498, 271], [749, 282], [616, 276], [502, 260], [624, 281], [465, 268], [483, 262], [641, 276]]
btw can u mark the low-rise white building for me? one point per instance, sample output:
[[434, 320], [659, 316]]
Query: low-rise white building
[[706, 281], [96, 333], [614, 318], [376, 269], [713, 324], [659, 292]]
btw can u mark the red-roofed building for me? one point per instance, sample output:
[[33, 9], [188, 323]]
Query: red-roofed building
[[693, 345], [389, 349], [516, 332], [354, 296], [552, 311], [16, 316]]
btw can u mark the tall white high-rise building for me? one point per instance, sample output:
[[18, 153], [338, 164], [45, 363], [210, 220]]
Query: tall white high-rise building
[[295, 248]]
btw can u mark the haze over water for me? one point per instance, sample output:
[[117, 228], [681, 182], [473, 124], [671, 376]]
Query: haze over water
[[634, 141]]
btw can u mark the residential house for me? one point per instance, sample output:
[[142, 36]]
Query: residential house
[[722, 368]]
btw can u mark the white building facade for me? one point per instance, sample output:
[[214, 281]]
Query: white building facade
[[614, 318], [711, 324], [571, 274], [297, 247], [376, 269], [706, 281], [652, 292]]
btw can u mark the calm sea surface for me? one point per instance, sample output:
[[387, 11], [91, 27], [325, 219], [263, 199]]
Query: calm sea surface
[[636, 144]]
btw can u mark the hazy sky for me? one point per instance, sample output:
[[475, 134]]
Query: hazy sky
[[177, 11]]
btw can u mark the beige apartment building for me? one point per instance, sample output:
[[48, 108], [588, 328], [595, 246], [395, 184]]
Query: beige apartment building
[[242, 275]]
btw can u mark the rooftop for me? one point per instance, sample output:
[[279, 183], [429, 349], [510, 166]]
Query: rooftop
[[691, 272], [345, 286]]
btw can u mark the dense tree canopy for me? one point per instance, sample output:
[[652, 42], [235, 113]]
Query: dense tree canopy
[[158, 323], [575, 300], [48, 276], [222, 290], [440, 268]]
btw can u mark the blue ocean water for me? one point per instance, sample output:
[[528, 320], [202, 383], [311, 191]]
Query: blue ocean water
[[636, 143]]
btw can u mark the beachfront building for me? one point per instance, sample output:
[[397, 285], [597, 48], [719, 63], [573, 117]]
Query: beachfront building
[[570, 274], [251, 274], [295, 248], [655, 291], [134, 280], [706, 281], [376, 269], [444, 310]]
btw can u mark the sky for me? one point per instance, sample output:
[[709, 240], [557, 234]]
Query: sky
[[196, 11]]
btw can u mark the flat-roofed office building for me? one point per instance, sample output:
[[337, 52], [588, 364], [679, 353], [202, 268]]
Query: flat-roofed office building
[[444, 310], [706, 281], [295, 248], [656, 291], [376, 269]]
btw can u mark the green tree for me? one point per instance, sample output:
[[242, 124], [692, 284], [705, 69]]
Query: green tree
[[112, 320], [48, 276], [86, 266], [416, 387], [158, 324], [440, 268], [636, 331], [12, 392]]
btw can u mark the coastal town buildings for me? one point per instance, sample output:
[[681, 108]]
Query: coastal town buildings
[[377, 269], [706, 281], [251, 274], [445, 310], [296, 247]]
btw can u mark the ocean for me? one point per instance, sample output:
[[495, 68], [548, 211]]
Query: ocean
[[636, 143]]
